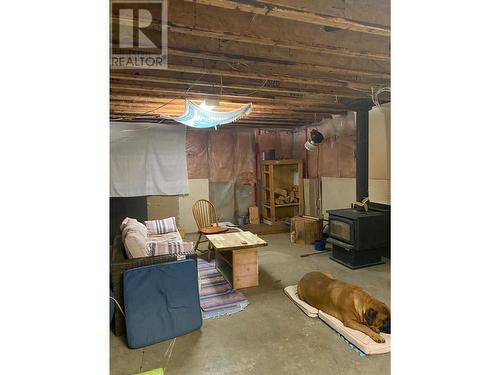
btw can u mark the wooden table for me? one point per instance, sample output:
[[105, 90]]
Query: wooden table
[[236, 257]]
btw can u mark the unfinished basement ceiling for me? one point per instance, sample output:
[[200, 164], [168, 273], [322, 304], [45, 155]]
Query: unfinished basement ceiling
[[297, 61]]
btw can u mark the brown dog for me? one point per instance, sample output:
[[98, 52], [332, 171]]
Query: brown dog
[[348, 303]]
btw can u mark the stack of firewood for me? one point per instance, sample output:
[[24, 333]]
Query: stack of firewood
[[283, 196]]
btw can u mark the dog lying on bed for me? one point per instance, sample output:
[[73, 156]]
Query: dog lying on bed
[[350, 304]]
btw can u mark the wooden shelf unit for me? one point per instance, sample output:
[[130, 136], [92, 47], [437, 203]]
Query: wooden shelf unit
[[281, 174], [282, 205]]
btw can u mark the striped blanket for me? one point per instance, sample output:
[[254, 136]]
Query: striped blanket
[[216, 296], [168, 244], [169, 248]]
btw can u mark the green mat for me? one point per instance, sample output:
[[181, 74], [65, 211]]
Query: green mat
[[156, 371]]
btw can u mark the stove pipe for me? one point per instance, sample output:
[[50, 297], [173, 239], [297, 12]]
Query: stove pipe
[[361, 107]]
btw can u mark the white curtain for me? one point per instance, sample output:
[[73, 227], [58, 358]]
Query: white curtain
[[147, 159]]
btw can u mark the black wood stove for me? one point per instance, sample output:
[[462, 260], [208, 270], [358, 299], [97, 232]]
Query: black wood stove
[[360, 236]]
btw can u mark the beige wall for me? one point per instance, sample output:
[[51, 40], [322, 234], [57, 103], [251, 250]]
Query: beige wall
[[379, 156], [198, 189], [337, 192], [341, 192]]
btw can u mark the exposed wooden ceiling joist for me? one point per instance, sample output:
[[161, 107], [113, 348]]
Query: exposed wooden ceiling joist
[[274, 42], [115, 88], [247, 86], [130, 117], [256, 116], [274, 9], [252, 39], [297, 61], [125, 115], [344, 76], [268, 77], [266, 62], [174, 106]]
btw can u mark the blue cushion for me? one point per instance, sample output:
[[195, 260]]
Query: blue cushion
[[161, 302]]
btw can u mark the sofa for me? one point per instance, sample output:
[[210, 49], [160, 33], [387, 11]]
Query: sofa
[[156, 237]]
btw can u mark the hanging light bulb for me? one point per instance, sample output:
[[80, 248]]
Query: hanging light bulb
[[209, 104]]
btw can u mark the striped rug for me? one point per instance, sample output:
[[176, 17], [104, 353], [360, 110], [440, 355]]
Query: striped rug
[[216, 296]]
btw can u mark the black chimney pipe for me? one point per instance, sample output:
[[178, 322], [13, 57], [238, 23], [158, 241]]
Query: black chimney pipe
[[361, 107]]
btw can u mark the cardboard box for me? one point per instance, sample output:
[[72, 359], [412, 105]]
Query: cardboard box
[[305, 230], [162, 206]]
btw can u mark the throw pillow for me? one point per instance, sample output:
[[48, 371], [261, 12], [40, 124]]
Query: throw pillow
[[161, 226]]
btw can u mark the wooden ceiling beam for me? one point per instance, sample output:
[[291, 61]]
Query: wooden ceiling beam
[[172, 109], [269, 77], [125, 116], [342, 76], [180, 27], [138, 113], [236, 124], [267, 8], [276, 64], [279, 114], [252, 39], [242, 120], [240, 86], [199, 95], [141, 98]]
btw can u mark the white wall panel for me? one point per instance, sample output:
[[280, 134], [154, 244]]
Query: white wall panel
[[341, 192]]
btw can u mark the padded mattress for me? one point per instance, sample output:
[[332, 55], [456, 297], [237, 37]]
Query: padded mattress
[[161, 302], [362, 341], [291, 291]]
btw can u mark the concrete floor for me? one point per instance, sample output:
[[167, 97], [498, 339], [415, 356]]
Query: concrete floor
[[271, 336]]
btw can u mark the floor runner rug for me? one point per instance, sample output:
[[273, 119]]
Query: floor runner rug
[[216, 296]]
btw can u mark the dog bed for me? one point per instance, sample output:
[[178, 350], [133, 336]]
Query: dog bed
[[291, 292], [357, 338]]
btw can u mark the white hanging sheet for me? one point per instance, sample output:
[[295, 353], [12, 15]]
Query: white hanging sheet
[[147, 159]]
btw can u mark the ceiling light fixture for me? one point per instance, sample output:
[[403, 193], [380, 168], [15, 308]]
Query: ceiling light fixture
[[200, 116], [314, 140], [209, 104]]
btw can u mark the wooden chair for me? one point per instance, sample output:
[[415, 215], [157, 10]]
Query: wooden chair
[[205, 215]]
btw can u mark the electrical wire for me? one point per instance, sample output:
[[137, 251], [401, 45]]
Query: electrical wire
[[377, 93], [318, 201], [163, 105], [360, 90], [374, 94], [220, 87], [261, 86], [117, 304]]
